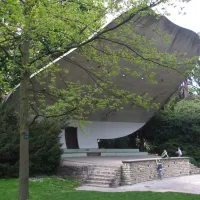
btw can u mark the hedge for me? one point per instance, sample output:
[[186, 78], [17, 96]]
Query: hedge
[[45, 149]]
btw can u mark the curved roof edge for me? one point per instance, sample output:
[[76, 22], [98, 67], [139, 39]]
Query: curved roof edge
[[171, 24]]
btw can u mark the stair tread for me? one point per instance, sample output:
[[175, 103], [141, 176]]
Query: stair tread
[[103, 172], [98, 181], [100, 178], [96, 185], [109, 168]]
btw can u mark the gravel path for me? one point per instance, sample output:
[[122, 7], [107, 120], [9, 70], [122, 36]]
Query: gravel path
[[186, 184]]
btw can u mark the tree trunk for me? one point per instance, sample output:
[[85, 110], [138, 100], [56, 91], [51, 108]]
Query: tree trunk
[[24, 127]]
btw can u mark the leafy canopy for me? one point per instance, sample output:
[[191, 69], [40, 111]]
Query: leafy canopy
[[53, 27]]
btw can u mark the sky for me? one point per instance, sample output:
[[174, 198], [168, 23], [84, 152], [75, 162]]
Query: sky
[[188, 20], [192, 17]]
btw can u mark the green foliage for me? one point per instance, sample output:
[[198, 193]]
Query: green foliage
[[33, 33], [194, 80], [42, 23], [59, 189], [45, 151], [52, 28], [192, 161], [177, 126]]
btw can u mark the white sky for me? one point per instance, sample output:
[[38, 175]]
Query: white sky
[[192, 17]]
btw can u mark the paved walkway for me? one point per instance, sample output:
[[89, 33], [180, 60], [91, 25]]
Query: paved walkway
[[186, 184]]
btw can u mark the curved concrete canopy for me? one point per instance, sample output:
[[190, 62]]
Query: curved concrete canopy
[[181, 41]]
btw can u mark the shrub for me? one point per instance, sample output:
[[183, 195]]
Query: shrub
[[193, 161], [45, 149], [177, 127]]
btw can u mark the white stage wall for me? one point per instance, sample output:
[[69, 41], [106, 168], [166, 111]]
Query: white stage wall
[[90, 132]]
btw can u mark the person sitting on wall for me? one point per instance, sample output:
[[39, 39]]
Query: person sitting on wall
[[159, 169], [179, 152], [164, 154]]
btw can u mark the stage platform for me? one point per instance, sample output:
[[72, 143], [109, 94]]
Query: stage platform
[[72, 153], [100, 160]]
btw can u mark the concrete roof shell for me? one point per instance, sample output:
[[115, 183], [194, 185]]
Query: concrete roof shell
[[182, 41]]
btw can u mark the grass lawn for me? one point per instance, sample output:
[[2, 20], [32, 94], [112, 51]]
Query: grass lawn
[[57, 189]]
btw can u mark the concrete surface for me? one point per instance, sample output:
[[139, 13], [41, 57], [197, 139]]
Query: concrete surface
[[185, 184], [98, 160]]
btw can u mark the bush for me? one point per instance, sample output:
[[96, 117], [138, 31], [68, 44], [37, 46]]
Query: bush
[[193, 161], [45, 149], [177, 127]]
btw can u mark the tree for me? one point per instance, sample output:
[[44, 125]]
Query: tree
[[192, 85], [35, 32], [194, 80], [176, 126]]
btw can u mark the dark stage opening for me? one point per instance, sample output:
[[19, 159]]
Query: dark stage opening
[[71, 138]]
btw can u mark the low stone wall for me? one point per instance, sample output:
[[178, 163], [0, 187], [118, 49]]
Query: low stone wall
[[136, 171]]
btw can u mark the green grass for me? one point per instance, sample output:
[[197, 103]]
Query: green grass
[[58, 189]]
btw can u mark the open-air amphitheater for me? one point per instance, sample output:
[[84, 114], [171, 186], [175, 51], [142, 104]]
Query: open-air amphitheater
[[82, 158]]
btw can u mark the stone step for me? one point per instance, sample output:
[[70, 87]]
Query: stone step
[[77, 155], [107, 167], [68, 153], [101, 178], [193, 173], [124, 154], [194, 169], [102, 172], [93, 150], [97, 185], [73, 155], [96, 171], [98, 182]]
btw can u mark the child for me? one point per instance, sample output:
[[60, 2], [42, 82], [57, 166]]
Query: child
[[164, 154], [159, 168], [179, 152]]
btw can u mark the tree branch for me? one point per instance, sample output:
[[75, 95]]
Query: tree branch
[[141, 56], [6, 52], [106, 30]]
